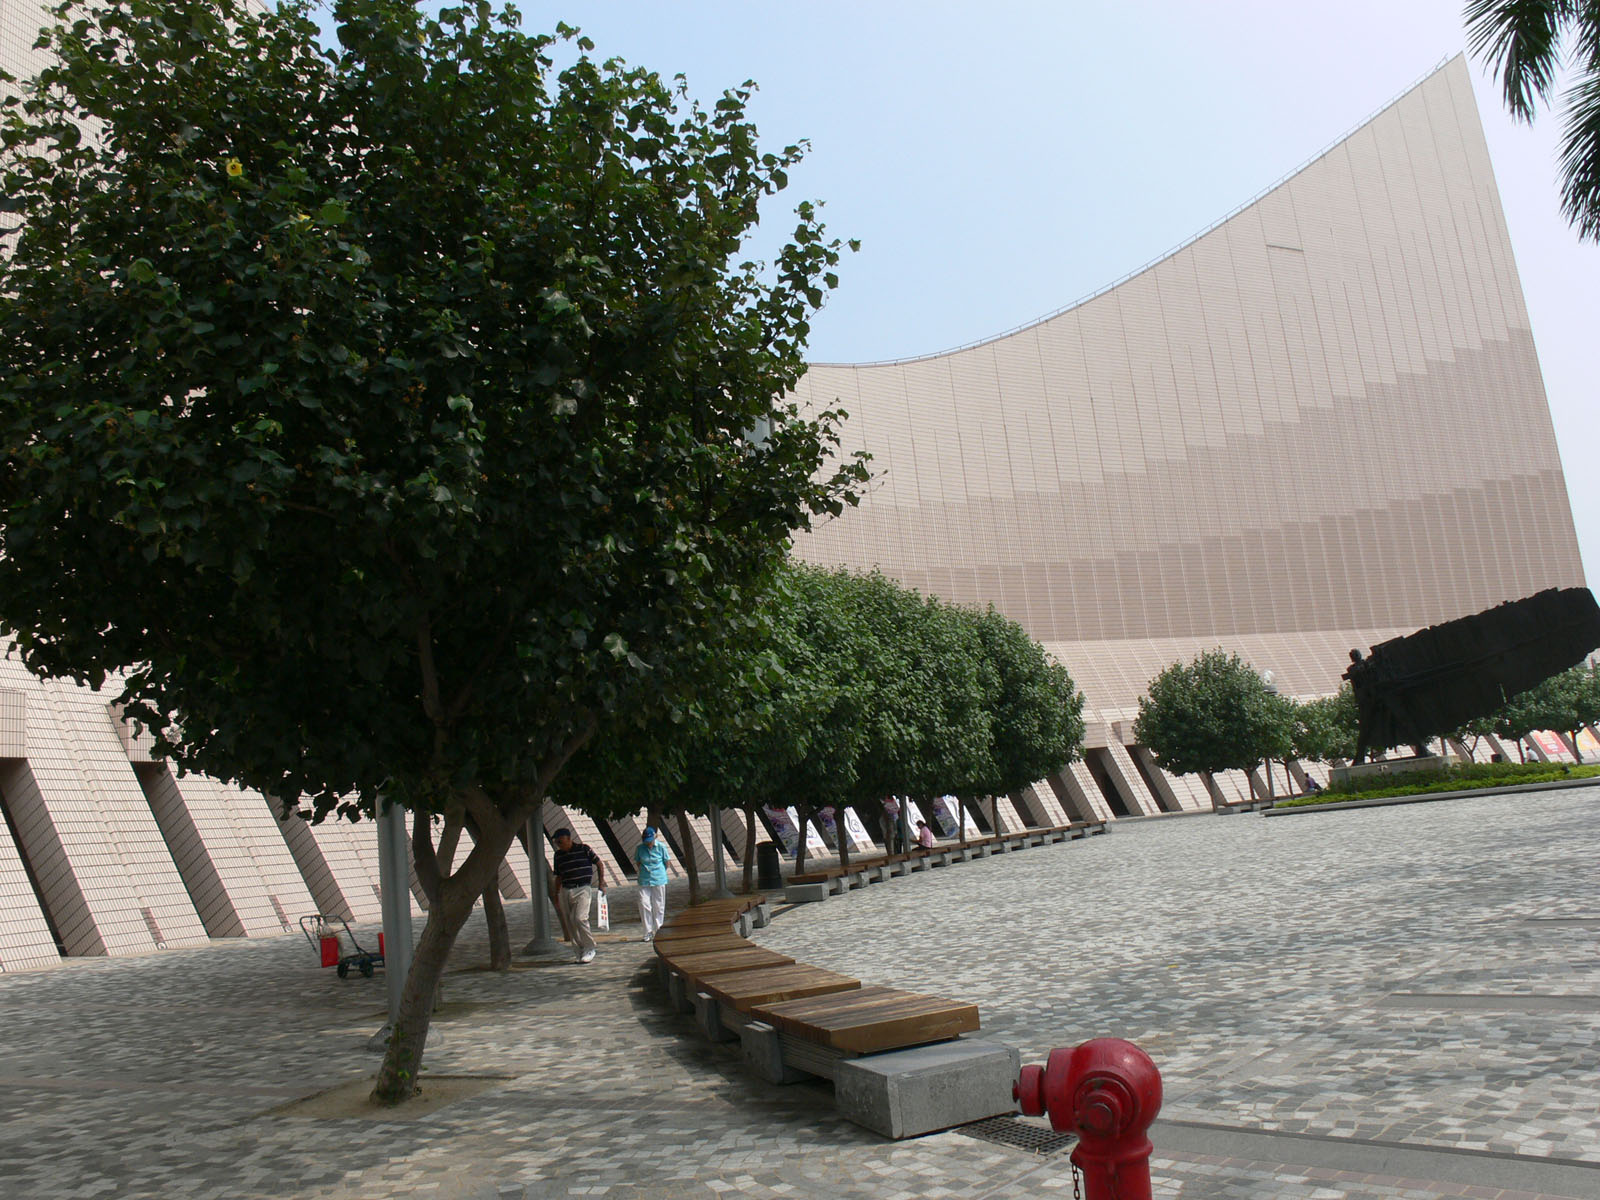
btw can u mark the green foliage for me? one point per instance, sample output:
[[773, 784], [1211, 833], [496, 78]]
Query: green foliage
[[1325, 728], [865, 689], [1213, 714], [1564, 703], [1036, 724], [380, 416], [1530, 44]]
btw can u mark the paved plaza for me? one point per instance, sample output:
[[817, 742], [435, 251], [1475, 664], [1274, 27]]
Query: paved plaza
[[1395, 1002]]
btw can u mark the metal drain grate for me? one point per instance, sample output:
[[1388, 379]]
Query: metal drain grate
[[1009, 1131]]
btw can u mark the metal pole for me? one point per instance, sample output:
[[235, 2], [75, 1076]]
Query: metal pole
[[394, 889], [539, 880], [719, 866]]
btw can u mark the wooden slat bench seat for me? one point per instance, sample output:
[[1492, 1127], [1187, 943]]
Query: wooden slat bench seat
[[691, 917], [699, 944], [718, 962], [867, 1020], [743, 990]]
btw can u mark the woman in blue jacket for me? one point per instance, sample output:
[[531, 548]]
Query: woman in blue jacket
[[652, 859]]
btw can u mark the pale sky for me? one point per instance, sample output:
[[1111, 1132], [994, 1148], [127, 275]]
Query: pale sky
[[1000, 160]]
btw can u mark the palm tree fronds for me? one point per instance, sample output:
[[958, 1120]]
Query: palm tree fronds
[[1523, 37], [1580, 155]]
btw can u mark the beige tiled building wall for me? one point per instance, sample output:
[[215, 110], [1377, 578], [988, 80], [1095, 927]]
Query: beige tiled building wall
[[1319, 424]]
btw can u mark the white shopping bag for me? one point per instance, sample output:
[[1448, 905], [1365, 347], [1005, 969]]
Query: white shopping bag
[[600, 913]]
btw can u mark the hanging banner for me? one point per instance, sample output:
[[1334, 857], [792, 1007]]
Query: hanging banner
[[945, 809], [826, 819], [1550, 745], [860, 839], [814, 842], [788, 835]]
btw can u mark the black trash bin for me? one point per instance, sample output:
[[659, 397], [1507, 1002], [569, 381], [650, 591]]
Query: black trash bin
[[769, 867]]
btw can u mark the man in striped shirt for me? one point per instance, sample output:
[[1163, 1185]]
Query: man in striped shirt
[[575, 872]]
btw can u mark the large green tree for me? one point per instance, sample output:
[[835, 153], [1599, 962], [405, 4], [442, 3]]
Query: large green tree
[[1563, 703], [375, 419], [1213, 714], [1035, 725], [1528, 43], [1326, 728]]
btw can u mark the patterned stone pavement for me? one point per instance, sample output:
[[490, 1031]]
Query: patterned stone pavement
[[1423, 977]]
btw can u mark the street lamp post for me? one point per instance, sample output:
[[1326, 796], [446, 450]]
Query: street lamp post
[[543, 945], [394, 895]]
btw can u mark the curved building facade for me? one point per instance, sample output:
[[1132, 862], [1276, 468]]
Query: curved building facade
[[1316, 425]]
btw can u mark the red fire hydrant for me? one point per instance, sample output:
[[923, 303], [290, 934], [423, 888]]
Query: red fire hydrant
[[1107, 1091]]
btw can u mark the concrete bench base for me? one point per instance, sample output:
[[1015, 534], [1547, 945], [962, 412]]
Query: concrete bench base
[[708, 1016], [678, 994], [763, 1054], [906, 1093], [805, 893]]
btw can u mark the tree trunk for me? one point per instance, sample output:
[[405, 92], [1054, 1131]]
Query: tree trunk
[[800, 848], [994, 810], [494, 912], [842, 836], [961, 817], [1211, 790], [1266, 766], [397, 1077], [688, 857], [749, 848]]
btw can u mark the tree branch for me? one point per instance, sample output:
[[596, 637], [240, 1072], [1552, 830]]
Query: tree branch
[[422, 855]]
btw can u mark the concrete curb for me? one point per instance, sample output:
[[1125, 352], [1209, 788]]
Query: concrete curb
[[1482, 1168]]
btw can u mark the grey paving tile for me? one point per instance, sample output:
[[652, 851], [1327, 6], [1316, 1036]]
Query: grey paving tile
[[1251, 958]]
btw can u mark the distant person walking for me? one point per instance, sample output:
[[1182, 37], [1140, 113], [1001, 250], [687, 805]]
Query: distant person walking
[[577, 870], [652, 859], [892, 840]]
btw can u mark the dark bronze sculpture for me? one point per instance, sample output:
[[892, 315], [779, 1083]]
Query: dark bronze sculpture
[[1415, 688]]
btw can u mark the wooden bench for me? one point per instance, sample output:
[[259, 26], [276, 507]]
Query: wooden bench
[[704, 959], [699, 966], [866, 1020]]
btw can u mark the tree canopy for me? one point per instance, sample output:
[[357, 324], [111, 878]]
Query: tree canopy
[[377, 418], [867, 689], [1326, 728], [1563, 703], [1213, 714]]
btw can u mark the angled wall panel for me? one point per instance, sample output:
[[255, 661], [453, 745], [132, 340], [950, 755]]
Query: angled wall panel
[[106, 873], [25, 938], [340, 872], [229, 851]]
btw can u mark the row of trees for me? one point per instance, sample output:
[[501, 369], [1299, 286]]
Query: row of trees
[[1218, 713], [860, 689]]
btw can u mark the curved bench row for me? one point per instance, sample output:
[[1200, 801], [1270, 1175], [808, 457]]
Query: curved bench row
[[898, 1061], [819, 885]]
